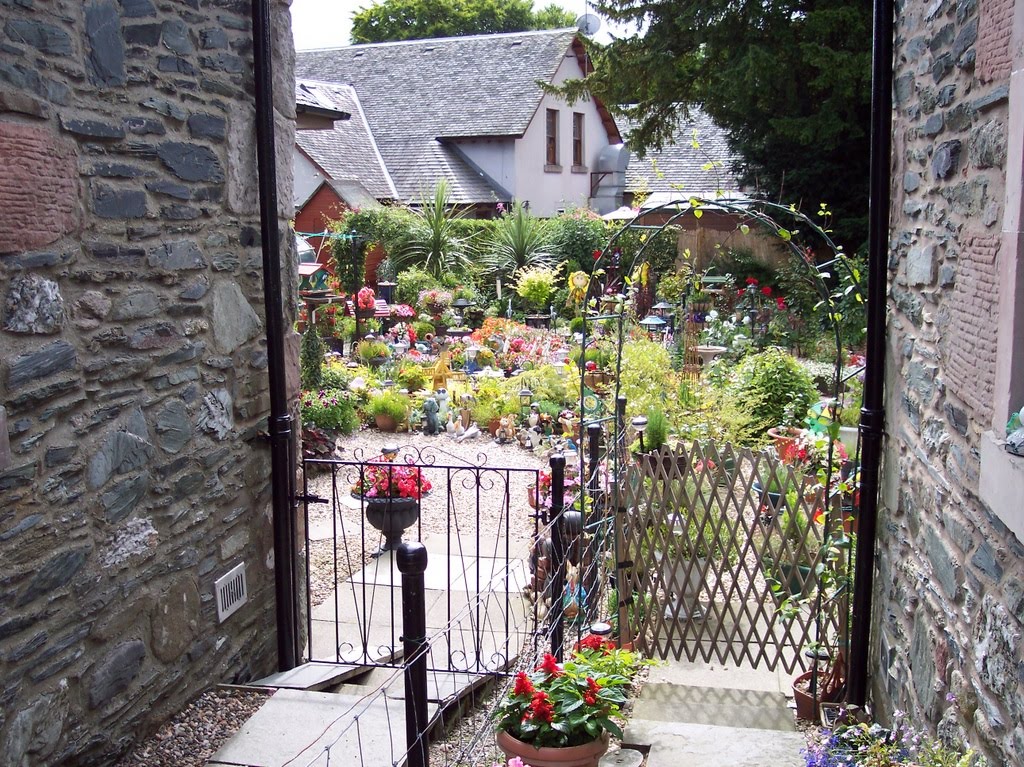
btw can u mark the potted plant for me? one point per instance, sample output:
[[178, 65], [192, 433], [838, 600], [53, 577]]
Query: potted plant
[[389, 409], [535, 286], [325, 413], [390, 492], [411, 375], [561, 714], [366, 303], [656, 454], [372, 352]]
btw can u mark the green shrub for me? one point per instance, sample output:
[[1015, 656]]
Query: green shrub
[[773, 388], [646, 379], [390, 403], [311, 358], [576, 325], [367, 350], [536, 285], [422, 328], [411, 376], [329, 409], [335, 377], [410, 282]]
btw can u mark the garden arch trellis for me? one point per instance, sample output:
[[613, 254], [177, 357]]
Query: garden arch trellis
[[629, 542]]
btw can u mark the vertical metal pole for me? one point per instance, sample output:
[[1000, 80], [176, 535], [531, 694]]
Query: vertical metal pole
[[623, 569], [282, 481], [872, 418], [412, 564], [557, 556], [591, 517]]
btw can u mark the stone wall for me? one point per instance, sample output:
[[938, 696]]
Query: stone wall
[[133, 365], [949, 595]]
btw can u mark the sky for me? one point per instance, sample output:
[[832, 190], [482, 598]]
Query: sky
[[327, 23]]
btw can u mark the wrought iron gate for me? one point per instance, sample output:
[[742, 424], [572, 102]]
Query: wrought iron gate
[[477, 525]]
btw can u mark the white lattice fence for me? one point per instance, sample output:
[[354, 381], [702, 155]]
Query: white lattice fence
[[734, 558]]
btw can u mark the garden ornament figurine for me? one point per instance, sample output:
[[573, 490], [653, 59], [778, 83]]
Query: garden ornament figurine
[[441, 395], [1015, 433], [506, 429], [431, 425]]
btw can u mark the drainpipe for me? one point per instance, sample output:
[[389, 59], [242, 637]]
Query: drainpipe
[[282, 476], [872, 414]]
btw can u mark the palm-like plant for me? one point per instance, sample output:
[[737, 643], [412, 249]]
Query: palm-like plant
[[432, 241], [519, 241]]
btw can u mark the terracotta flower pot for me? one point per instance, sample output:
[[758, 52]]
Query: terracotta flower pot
[[586, 755], [386, 423], [784, 436]]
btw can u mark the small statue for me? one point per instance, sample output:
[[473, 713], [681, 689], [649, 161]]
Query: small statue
[[506, 429], [441, 395], [431, 425], [1015, 434], [534, 417]]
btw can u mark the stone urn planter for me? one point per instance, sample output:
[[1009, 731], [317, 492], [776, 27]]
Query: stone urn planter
[[392, 516], [586, 755]]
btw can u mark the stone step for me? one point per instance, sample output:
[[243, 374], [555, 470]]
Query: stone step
[[311, 676], [316, 728]]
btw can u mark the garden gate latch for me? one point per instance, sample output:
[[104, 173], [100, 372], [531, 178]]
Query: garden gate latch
[[311, 498]]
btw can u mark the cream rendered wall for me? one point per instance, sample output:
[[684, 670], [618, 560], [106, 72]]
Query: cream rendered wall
[[307, 177], [548, 192], [495, 157]]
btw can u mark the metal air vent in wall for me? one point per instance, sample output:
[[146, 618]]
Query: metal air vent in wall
[[231, 592]]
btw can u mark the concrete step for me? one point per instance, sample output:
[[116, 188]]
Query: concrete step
[[316, 728], [311, 676], [715, 716]]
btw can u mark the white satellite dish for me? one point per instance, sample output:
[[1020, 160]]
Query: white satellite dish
[[588, 24]]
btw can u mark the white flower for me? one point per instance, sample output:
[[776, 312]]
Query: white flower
[[712, 315], [746, 319]]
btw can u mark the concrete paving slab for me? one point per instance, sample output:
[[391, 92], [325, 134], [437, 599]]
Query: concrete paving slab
[[310, 676], [730, 677], [678, 744], [297, 725], [753, 709], [490, 546], [442, 571]]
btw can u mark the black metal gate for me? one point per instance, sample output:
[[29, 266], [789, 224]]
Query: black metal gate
[[478, 526]]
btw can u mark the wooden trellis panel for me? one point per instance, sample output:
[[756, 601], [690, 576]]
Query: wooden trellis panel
[[712, 558]]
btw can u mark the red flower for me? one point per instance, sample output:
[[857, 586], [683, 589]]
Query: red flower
[[593, 686], [766, 290], [597, 254], [751, 281], [589, 699], [550, 664], [780, 303], [594, 642], [541, 708], [523, 685]]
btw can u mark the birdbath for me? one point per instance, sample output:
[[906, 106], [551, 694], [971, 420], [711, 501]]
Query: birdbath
[[709, 354]]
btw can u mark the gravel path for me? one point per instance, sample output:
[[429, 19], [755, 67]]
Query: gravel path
[[195, 734]]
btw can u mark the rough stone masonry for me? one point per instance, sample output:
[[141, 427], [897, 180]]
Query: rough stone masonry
[[133, 365], [949, 593]]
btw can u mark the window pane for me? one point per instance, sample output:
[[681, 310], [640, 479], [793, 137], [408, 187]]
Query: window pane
[[552, 137], [577, 138]]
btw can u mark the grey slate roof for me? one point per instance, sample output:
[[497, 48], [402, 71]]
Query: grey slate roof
[[678, 167], [348, 151], [416, 92]]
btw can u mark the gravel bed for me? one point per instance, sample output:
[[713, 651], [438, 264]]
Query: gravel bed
[[195, 734]]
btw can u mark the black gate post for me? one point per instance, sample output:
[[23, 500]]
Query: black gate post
[[557, 556], [412, 563], [593, 551]]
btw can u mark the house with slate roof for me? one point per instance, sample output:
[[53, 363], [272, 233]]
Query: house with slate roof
[[680, 169], [469, 110]]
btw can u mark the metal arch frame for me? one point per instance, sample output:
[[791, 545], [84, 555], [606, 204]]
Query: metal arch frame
[[756, 212]]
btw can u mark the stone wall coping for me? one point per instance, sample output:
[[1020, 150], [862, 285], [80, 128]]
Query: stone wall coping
[[1001, 486]]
